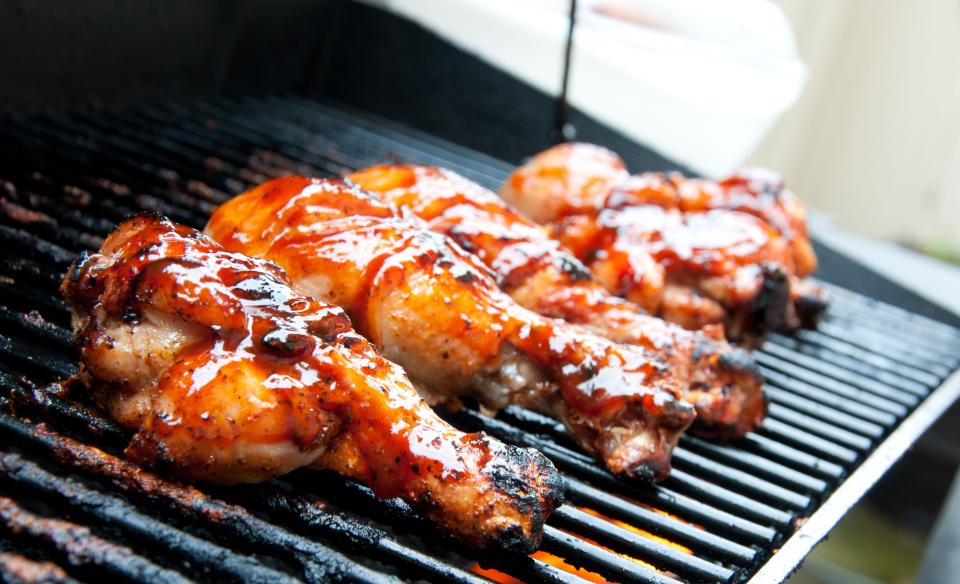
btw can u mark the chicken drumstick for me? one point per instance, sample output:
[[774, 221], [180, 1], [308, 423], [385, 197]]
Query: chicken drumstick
[[228, 375]]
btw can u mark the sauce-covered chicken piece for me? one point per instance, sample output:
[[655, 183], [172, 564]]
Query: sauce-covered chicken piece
[[226, 374], [434, 308], [540, 274], [573, 180]]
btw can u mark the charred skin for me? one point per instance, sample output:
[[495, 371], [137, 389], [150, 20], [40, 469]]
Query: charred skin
[[582, 179], [721, 381], [228, 375], [436, 310], [811, 302]]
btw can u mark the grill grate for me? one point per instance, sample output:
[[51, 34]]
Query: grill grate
[[836, 394]]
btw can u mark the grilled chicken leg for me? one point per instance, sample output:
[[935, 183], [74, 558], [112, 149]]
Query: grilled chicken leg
[[226, 374], [539, 274], [574, 180], [434, 308]]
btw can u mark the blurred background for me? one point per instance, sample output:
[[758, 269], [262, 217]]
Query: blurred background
[[874, 138]]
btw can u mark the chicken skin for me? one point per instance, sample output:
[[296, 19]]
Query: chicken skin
[[582, 179], [720, 381], [435, 309], [228, 375]]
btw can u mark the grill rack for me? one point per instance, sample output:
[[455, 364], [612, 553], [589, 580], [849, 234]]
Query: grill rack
[[838, 396]]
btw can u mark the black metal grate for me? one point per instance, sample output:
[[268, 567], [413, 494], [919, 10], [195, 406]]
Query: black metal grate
[[836, 393]]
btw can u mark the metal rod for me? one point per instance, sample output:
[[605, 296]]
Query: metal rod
[[563, 130]]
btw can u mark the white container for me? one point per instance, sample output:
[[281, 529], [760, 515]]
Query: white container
[[699, 81]]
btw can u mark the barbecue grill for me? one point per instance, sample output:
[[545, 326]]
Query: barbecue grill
[[846, 400]]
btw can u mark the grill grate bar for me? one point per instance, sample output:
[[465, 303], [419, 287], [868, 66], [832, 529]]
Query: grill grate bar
[[588, 555], [859, 319], [864, 304], [765, 445], [910, 370], [78, 546], [183, 160], [657, 523], [29, 399], [35, 358], [874, 324], [822, 429], [809, 407], [839, 374], [889, 347], [757, 464], [760, 488], [31, 324], [95, 194], [106, 509], [794, 375], [18, 569], [44, 226], [316, 562], [71, 165], [638, 546], [33, 246], [64, 215], [934, 349], [131, 158], [807, 441], [864, 368]]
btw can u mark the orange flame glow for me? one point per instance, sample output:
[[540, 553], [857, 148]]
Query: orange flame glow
[[637, 530], [547, 558], [562, 564], [660, 511]]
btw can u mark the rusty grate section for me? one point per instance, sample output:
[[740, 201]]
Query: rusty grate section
[[65, 497]]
